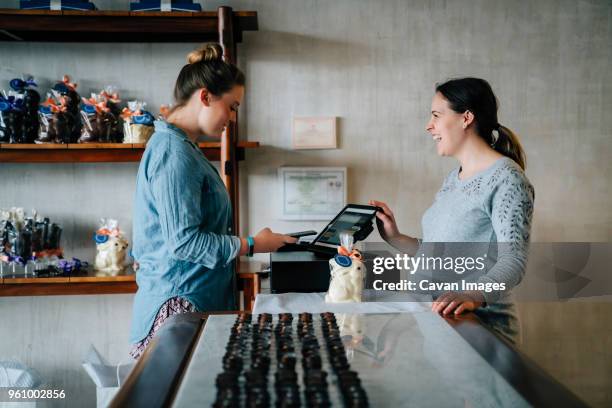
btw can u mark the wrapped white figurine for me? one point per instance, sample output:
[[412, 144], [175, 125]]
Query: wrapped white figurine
[[347, 273], [111, 249]]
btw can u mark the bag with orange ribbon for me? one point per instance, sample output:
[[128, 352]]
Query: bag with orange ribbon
[[100, 124], [56, 122], [138, 123], [65, 92], [111, 96]]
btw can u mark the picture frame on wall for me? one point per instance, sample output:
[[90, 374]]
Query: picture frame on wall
[[312, 193], [314, 132]]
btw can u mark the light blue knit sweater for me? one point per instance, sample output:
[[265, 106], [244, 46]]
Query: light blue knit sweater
[[494, 207]]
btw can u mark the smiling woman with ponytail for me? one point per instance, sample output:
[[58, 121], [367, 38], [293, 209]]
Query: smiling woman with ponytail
[[487, 199]]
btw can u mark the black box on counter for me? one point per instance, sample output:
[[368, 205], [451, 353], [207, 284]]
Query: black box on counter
[[304, 271], [299, 271]]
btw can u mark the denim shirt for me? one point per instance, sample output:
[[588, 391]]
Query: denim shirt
[[181, 226]]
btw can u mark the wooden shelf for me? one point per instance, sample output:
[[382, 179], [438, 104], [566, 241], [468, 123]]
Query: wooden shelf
[[97, 152], [249, 277], [118, 26], [73, 285]]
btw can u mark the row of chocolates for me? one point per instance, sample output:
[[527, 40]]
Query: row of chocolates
[[66, 117]]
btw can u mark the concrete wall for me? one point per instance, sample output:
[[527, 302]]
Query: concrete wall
[[53, 334], [374, 65]]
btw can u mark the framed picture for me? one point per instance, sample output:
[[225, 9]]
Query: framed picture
[[312, 193], [314, 132]]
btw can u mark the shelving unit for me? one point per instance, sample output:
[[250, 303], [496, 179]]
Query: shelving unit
[[224, 26]]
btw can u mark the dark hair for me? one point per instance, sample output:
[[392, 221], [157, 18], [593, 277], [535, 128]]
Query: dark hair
[[476, 95], [206, 69]]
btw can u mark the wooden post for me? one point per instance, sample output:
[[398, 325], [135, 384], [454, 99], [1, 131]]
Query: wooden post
[[229, 139]]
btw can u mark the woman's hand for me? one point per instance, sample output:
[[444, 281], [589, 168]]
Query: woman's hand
[[458, 302], [268, 241], [385, 221]]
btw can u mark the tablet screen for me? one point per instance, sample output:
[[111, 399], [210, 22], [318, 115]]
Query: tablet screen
[[351, 218]]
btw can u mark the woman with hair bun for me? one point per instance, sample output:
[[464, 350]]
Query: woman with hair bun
[[487, 199], [183, 242]]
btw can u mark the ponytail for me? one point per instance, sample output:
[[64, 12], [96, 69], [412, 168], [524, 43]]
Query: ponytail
[[508, 144]]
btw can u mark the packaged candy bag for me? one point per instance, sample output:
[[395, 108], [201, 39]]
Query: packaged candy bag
[[55, 122], [111, 96], [45, 116], [88, 118], [65, 92], [28, 130], [98, 120], [5, 227], [4, 107], [138, 123], [11, 117]]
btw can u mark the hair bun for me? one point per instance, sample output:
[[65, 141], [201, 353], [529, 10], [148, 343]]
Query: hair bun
[[208, 52]]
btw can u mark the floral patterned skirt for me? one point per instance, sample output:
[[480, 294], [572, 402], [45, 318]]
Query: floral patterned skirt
[[176, 305]]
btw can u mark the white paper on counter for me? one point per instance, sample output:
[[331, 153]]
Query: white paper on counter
[[374, 302]]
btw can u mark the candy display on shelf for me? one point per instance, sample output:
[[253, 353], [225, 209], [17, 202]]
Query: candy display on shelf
[[29, 244], [165, 5], [56, 5], [64, 117], [111, 247], [138, 123]]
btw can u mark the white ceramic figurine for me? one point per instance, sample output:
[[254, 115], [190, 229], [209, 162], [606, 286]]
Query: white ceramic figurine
[[347, 273], [111, 249], [110, 258]]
